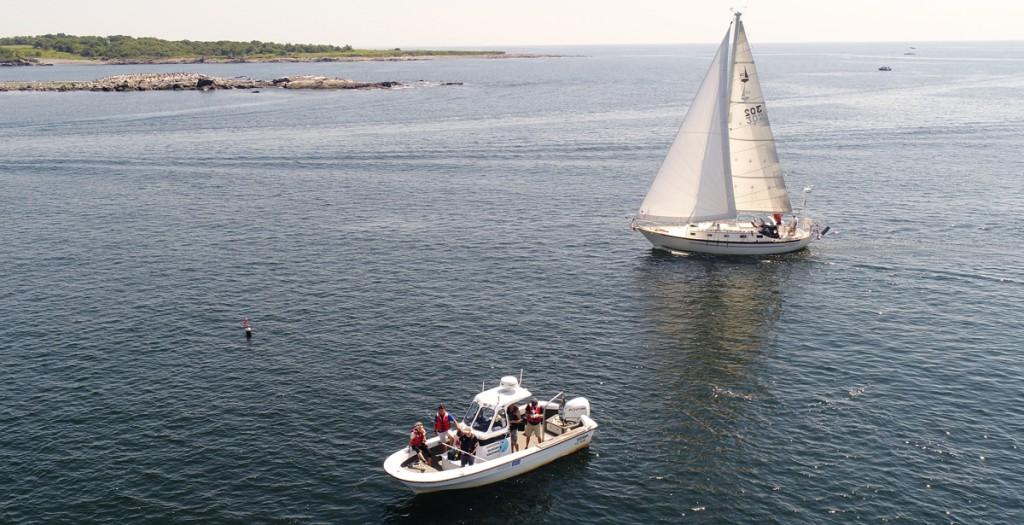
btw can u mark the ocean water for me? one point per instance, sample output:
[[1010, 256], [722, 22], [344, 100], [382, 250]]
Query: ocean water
[[396, 248]]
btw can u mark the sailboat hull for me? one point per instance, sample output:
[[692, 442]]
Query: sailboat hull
[[720, 241]]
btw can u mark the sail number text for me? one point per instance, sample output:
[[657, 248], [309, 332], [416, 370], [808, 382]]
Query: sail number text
[[753, 113]]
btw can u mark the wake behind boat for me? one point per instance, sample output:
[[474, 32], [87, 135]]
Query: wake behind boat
[[720, 189], [565, 427]]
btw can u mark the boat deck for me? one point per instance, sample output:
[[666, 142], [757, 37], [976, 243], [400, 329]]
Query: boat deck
[[732, 232], [415, 465]]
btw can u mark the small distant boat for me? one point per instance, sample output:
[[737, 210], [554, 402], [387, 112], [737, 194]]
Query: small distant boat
[[720, 189], [885, 68], [567, 427]]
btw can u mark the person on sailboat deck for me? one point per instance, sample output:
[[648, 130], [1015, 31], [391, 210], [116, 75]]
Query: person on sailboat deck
[[766, 229], [468, 444], [418, 442], [443, 421]]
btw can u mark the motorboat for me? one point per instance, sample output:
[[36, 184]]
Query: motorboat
[[567, 427]]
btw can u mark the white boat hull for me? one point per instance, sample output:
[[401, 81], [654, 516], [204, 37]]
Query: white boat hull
[[487, 472], [728, 240]]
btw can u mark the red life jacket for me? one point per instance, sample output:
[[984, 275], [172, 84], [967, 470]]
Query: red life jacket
[[534, 414], [442, 425], [417, 437]]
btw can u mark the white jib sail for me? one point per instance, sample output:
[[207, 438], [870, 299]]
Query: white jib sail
[[756, 174], [694, 183]]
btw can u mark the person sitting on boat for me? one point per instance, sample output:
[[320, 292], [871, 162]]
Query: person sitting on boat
[[443, 421], [515, 425], [534, 422], [769, 230], [468, 445], [418, 442]]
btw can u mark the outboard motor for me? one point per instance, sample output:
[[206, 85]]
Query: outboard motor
[[575, 408]]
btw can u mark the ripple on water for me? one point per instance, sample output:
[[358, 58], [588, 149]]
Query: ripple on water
[[394, 248]]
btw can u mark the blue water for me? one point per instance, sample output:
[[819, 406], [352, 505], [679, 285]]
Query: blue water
[[396, 248]]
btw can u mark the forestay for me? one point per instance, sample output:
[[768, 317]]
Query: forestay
[[756, 174]]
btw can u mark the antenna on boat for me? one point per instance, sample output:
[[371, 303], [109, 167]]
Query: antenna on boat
[[483, 386], [520, 377], [803, 205]]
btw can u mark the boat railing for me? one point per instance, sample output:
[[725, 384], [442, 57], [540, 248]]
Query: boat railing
[[446, 445], [558, 395]]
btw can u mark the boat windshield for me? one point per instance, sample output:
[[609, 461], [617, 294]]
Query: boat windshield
[[483, 420], [500, 421], [471, 413], [480, 418]]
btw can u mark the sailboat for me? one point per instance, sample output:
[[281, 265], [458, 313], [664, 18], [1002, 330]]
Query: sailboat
[[720, 189]]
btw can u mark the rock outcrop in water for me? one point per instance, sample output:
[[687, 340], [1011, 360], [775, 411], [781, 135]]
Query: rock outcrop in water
[[190, 81], [19, 61]]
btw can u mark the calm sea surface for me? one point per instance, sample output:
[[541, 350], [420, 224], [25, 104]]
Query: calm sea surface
[[396, 248]]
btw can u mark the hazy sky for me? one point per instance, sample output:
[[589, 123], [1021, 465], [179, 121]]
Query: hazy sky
[[423, 23]]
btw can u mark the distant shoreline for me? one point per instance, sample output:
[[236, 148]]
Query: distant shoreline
[[60, 48], [50, 61]]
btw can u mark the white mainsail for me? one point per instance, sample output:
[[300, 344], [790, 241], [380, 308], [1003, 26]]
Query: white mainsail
[[694, 182], [756, 174]]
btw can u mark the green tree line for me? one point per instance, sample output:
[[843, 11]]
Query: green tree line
[[120, 46]]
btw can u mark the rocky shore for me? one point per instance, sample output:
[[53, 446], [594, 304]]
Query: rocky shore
[[19, 61], [192, 82]]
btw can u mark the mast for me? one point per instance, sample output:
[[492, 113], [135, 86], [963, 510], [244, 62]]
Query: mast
[[733, 28], [731, 67]]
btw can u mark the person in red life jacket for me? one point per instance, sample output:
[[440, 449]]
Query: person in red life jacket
[[418, 442], [443, 422], [468, 445], [534, 422]]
